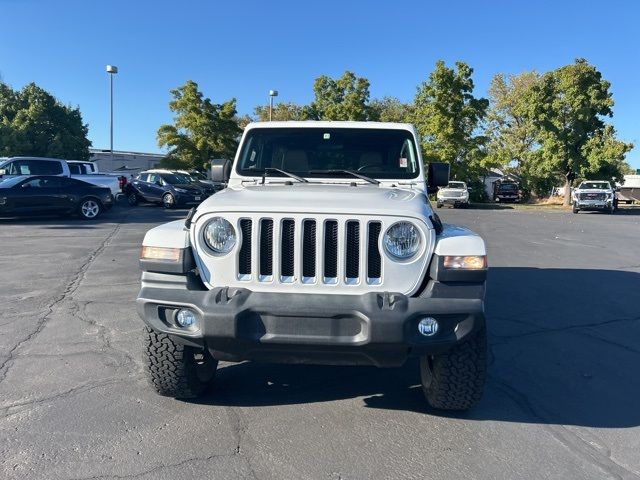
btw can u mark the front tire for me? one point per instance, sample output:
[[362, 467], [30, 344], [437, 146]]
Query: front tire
[[89, 208], [438, 205], [176, 370], [575, 208], [168, 200], [454, 380]]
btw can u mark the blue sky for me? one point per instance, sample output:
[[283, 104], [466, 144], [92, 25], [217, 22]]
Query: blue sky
[[242, 49]]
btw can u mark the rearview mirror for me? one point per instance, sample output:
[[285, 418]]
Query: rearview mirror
[[438, 176], [220, 170]]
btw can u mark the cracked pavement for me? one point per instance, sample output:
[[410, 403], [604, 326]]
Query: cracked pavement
[[561, 400]]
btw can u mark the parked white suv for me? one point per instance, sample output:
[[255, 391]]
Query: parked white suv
[[594, 195], [323, 249], [455, 194]]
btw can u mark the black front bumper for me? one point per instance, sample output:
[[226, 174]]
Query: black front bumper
[[372, 329]]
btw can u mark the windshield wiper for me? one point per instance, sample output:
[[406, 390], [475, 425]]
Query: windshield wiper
[[283, 172], [349, 172]]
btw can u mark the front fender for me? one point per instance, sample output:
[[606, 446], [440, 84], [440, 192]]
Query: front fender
[[457, 241], [173, 235]]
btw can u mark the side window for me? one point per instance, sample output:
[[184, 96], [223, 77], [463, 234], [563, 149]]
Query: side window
[[34, 183], [53, 182], [143, 177], [67, 182], [11, 168], [153, 178], [22, 167], [74, 168], [43, 167]]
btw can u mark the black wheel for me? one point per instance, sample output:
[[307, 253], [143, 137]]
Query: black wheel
[[575, 208], [454, 380], [89, 208], [612, 209], [176, 370], [438, 205], [168, 200], [132, 199]]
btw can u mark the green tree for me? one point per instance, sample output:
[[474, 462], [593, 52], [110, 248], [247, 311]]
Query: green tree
[[34, 123], [390, 109], [282, 111], [448, 118], [605, 156], [567, 106], [343, 99], [512, 135], [201, 131]]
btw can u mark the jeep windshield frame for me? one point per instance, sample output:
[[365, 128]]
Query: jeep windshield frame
[[313, 152]]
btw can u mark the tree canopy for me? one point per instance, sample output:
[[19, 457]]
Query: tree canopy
[[448, 117], [567, 106], [34, 123], [201, 131], [343, 99]]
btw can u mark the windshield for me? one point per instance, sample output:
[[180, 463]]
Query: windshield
[[185, 178], [198, 175], [455, 185], [308, 152], [596, 185], [508, 186], [173, 179]]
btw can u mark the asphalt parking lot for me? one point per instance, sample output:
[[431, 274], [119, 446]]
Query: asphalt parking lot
[[562, 399]]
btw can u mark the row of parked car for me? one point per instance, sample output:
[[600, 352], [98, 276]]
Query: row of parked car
[[599, 195], [44, 186], [170, 188]]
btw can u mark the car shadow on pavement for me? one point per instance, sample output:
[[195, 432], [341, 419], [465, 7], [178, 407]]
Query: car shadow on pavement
[[563, 350]]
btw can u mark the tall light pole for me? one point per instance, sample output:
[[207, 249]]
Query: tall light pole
[[111, 70], [272, 93]]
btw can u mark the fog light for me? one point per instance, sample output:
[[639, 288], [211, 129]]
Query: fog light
[[186, 318], [428, 326]]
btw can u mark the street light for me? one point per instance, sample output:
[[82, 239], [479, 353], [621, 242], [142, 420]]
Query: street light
[[111, 70], [272, 93]]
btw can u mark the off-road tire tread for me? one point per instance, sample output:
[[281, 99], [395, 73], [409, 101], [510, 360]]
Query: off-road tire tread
[[170, 366], [458, 375]]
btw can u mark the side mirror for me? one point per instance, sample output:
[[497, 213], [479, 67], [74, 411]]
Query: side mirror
[[438, 176], [220, 170], [469, 189]]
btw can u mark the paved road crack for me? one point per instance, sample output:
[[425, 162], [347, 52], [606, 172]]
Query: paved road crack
[[70, 288]]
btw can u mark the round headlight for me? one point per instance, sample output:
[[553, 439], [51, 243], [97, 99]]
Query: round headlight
[[402, 240], [219, 235]]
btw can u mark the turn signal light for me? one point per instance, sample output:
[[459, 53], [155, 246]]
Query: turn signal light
[[469, 262], [160, 253]]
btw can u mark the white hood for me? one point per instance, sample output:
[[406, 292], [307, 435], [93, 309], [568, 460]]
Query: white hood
[[319, 198]]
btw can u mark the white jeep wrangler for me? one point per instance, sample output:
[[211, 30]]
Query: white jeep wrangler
[[322, 249]]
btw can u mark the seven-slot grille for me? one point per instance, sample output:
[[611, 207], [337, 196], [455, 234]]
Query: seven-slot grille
[[310, 251]]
